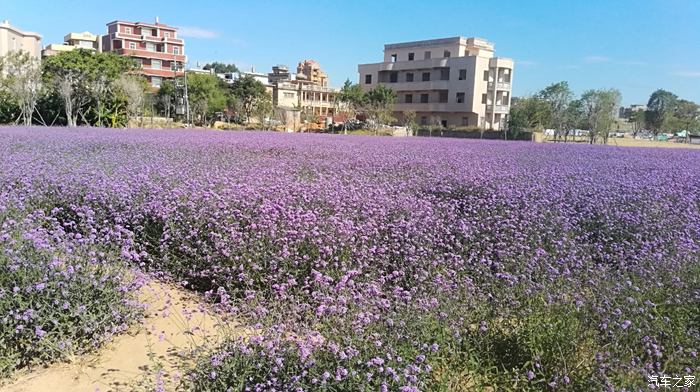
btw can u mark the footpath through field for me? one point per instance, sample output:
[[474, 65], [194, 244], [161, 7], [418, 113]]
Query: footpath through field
[[151, 353]]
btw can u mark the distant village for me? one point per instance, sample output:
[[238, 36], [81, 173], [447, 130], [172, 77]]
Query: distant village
[[446, 82]]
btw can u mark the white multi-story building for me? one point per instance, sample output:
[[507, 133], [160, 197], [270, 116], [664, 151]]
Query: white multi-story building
[[14, 39], [450, 82]]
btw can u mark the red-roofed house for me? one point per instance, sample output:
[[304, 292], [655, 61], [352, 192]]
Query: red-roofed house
[[153, 45]]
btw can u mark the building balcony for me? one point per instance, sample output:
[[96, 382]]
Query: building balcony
[[500, 86], [163, 73], [416, 64], [433, 107], [499, 108], [147, 54], [418, 86]]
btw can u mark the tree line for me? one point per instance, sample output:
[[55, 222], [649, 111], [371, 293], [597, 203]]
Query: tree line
[[555, 107], [84, 88]]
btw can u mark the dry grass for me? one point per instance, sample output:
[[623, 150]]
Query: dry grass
[[628, 142]]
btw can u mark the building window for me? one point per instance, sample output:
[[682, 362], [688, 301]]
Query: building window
[[289, 95], [460, 97], [176, 50], [393, 58], [443, 97], [156, 64], [427, 54], [166, 34], [486, 76], [127, 30], [462, 74], [409, 98], [156, 81], [465, 121], [409, 77], [368, 79], [446, 54], [411, 56], [483, 98], [424, 98], [132, 45], [150, 47], [146, 32], [444, 74], [426, 76], [393, 77], [443, 123], [424, 120]]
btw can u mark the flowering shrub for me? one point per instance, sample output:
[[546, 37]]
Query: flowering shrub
[[60, 294], [384, 264]]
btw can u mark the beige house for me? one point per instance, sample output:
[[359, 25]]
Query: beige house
[[450, 82], [307, 90], [72, 41], [14, 39]]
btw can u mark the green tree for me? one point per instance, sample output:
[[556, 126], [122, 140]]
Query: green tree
[[638, 120], [659, 107], [530, 113], [249, 93], [20, 79], [83, 81], [350, 101], [600, 109], [379, 102], [557, 96], [206, 96], [221, 67], [685, 115], [409, 121], [166, 98], [264, 111], [131, 89]]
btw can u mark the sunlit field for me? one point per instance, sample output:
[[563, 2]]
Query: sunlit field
[[361, 263]]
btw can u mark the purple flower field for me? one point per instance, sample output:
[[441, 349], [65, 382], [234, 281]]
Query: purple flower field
[[365, 263]]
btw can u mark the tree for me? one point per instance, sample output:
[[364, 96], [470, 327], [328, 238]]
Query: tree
[[264, 111], [660, 105], [206, 96], [557, 96], [685, 115], [529, 113], [638, 120], [21, 79], [165, 98], [132, 89], [600, 108], [249, 92], [83, 82], [409, 121], [221, 67], [351, 99], [379, 101]]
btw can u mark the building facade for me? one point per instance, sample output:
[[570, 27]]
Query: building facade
[[311, 71], [14, 39], [306, 90], [74, 41], [450, 82], [155, 46]]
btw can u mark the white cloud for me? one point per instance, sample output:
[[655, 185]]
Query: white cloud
[[197, 32], [687, 74]]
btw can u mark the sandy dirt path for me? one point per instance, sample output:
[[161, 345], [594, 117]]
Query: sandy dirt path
[[176, 322]]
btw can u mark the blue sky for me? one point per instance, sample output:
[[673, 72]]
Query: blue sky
[[634, 46]]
